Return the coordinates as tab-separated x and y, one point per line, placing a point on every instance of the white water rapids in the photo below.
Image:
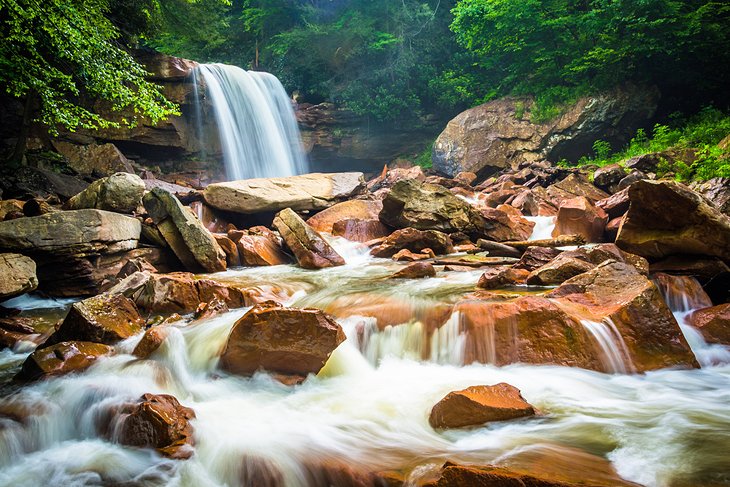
370	409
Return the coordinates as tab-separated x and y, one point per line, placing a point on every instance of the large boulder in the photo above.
193	244
423	206
505	223
158	421
360	230
17	275
499	134
288	341
62	358
63	233
717	190
121	192
573	186
325	220
310	249
477	405
107	319
666	218
414	241
306	192
713	323
578	216
258	250
101	159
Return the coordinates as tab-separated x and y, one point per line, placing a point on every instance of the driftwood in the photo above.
560	241
497	249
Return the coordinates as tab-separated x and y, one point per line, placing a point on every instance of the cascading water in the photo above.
257	128
614	353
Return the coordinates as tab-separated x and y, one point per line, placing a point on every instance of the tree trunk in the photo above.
19	152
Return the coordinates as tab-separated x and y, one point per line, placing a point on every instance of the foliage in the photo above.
425	159
62	52
701	132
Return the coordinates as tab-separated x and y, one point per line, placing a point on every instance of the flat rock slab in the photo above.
476	261
77	232
306	192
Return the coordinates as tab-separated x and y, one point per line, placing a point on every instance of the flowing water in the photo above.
369	406
257	128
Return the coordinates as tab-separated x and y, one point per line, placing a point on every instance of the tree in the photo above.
60	56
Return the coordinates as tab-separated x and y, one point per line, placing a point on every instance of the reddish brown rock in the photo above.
18	329
158	421
406	255
415	241
506	223
261	250
608	177
287	341
416	271
535	257
360	230
574	185
151	341
578	216
107	318
615	205
477	405
714	323
62	358
502	276
233	258
612	228
308	246
325	220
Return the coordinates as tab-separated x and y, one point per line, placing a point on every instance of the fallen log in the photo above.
560	241
497	249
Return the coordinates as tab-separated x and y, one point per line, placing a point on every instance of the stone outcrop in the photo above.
499	134
63	233
288	341
713	323
666	218
477	405
158	421
306	192
414	241
62	358
107	319
17	275
193	244
121	192
308	246
93	159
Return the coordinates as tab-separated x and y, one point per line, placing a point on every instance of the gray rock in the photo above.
121	192
17	275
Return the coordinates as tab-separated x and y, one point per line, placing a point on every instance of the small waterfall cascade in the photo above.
257	128
684	295
615	355
544	226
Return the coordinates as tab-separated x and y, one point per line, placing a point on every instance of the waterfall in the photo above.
258	132
544	226
615	355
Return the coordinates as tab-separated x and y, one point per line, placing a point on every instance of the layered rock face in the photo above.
498	134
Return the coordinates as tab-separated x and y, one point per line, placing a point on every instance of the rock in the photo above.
192	243
29	182
713	323
306	192
121	192
100	159
704	269
535	257
158	421
287	341
310	249
477	405
325	220
415	271
389	177
151	341
17	275
10	207
16	329
65	233
633	177
505	223
667	218
415	241
571	187
578	216
423	206
233	257
643	163
491	137
615	205
618	291
107	319
38	206
608	177
177	292
360	230
62	358
258	250
502	276
612	227
406	255
717	190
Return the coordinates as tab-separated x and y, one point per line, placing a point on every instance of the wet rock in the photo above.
193	244
158	421
259	250
667	218
608	177
713	323
100	159
121	192
535	257
492	136
287	341
534	202
502	276
477	405
422	206
415	241
310	249
151	341
578	216
558	271
306	192
16	329
325	220
360	230
406	255
415	271
505	223
107	319
233	258
17	275
705	269
70	232
62	358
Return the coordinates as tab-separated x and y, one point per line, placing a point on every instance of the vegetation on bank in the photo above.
698	136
